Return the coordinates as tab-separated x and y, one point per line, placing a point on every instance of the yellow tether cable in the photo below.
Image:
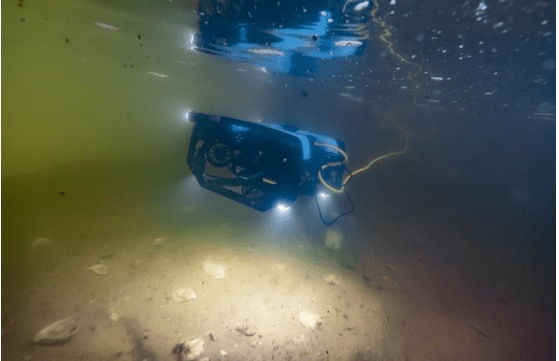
384	37
340	190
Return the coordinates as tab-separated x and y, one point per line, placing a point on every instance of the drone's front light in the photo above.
327	202
283	209
187	115
322	195
325	198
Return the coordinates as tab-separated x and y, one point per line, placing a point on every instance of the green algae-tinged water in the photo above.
82	115
75	91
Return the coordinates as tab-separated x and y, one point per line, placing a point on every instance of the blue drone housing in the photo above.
261	165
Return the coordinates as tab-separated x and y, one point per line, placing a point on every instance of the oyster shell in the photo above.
57	332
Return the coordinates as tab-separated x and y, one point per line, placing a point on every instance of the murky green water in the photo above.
97	113
92	140
94	159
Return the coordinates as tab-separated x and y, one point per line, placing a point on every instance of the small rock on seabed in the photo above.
310	320
182	295
159	241
214	270
245	329
192	349
101	269
333	279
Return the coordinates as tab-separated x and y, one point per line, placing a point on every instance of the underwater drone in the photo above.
266	165
262	165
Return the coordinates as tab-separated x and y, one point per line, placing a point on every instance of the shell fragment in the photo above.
57	332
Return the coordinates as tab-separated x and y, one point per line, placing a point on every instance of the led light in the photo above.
283	208
323	195
186	115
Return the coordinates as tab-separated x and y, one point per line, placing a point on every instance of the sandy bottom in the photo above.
382	309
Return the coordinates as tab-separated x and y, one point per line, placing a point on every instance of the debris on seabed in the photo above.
193	349
309	320
159	75
245	329
159	241
333	279
58	332
100	269
214	270
182	295
106	26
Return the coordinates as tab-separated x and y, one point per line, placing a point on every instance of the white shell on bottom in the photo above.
58	332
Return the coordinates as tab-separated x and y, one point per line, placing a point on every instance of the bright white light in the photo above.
187	38
323	195
186	115
192	42
283	208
